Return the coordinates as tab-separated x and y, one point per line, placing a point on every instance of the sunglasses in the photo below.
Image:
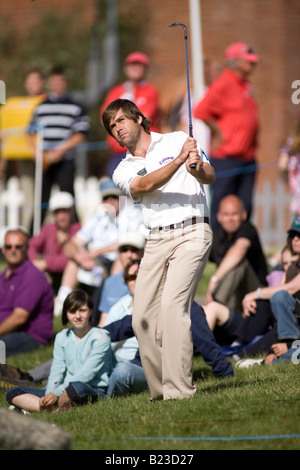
125	248
16	247
131	277
105	198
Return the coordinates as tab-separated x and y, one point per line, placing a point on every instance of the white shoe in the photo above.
58	306
246	363
18	410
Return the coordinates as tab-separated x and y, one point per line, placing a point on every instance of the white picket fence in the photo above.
17	210
271	207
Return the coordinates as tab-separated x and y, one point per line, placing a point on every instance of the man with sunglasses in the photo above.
230	111
26	306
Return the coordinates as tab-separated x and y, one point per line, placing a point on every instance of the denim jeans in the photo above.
78	392
283	307
125	379
19	342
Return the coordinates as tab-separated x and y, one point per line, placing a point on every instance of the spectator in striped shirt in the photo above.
65	125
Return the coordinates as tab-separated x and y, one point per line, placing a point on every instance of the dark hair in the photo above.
289	241
128	266
57	69
74	301
130	110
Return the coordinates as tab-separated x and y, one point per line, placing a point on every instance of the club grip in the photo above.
193	165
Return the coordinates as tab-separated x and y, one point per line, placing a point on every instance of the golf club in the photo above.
181	25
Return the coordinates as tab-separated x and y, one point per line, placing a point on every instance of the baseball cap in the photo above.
295	227
108	188
241	50
61	200
135	239
139	57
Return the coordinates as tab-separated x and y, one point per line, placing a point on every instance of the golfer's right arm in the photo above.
147	184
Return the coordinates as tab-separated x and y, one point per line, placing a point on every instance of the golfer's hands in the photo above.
48	400
190	156
189	147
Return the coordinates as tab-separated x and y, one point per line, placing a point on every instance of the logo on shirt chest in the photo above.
166	160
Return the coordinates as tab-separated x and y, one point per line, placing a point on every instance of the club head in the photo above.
180	25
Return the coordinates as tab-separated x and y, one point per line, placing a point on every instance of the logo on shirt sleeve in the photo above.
142	172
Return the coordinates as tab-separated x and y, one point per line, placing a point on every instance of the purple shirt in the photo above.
29	289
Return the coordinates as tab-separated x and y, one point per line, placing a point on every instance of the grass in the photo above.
257	404
241	413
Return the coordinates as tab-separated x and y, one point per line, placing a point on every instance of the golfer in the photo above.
156	172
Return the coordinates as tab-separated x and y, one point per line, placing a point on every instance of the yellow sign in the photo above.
15	116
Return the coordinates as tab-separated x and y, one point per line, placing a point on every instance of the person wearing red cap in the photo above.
230	111
137	89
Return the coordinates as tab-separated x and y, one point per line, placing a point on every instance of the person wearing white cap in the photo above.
137	89
93	251
46	249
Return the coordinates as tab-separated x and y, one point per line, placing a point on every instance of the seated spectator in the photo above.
285	298
128	376
237	252
82	362
231	326
281	303
26	308
93	251
46	249
125	350
131	248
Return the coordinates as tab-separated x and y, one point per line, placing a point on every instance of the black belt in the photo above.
183	224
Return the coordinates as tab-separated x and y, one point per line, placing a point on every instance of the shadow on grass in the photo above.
226	384
202	374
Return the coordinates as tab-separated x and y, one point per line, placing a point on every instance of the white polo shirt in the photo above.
181	198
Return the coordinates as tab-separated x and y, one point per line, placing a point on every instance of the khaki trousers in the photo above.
231	290
168	278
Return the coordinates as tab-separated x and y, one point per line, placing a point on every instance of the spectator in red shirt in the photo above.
137	89
46	249
230	111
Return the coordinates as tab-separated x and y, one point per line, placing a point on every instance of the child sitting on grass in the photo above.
82	362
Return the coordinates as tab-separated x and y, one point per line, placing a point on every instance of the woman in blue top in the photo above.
82	362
